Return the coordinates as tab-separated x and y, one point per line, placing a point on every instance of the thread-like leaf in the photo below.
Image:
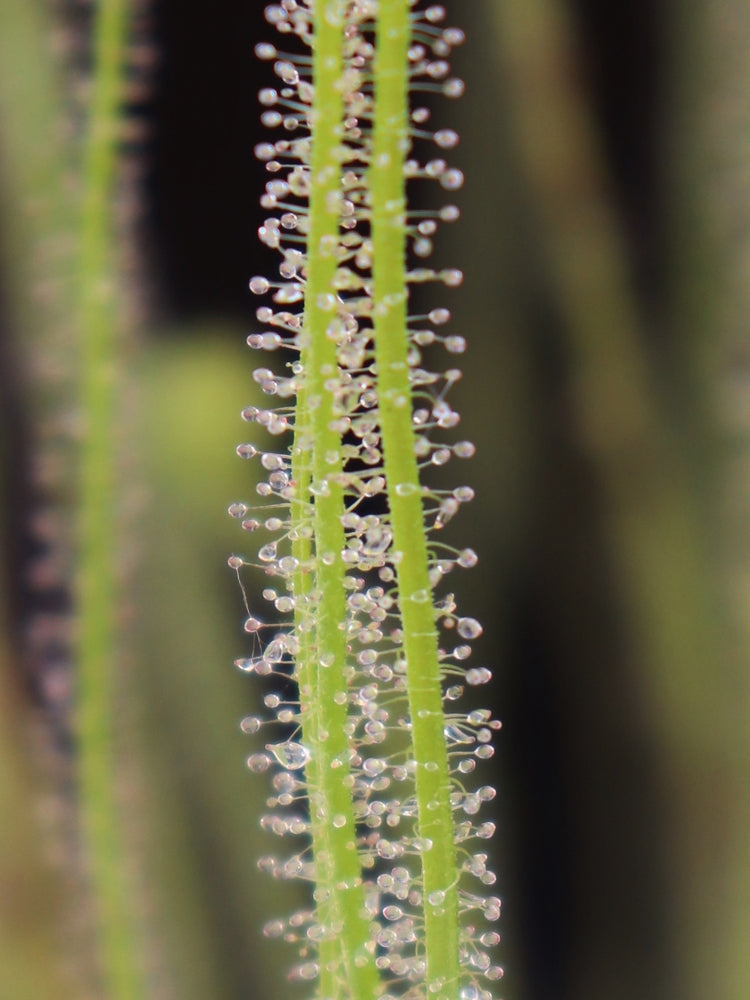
374	765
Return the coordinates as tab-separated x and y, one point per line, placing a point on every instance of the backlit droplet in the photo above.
292	756
251	724
405	489
259	762
468	628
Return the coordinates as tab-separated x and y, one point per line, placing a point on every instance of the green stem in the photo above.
322	660
420	638
97	647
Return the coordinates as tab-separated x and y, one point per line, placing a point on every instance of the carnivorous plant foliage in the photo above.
372	759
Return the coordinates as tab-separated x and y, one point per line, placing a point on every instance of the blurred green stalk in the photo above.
37	217
97	646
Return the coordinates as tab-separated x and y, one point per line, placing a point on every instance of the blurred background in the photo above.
605	239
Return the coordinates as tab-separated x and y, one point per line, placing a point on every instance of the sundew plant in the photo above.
372	759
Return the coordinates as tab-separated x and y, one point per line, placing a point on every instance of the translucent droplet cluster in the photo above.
379	766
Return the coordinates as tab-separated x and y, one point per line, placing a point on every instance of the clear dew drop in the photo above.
477	676
464	449
452	277
446	138
452	179
469	628
247	664
405	489
292	756
455	344
478	716
453	88
274	928
467	558
469	993
306	972
259	762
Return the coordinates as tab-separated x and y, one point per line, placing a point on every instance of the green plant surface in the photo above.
337	866
97	645
420	635
37	251
369	749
